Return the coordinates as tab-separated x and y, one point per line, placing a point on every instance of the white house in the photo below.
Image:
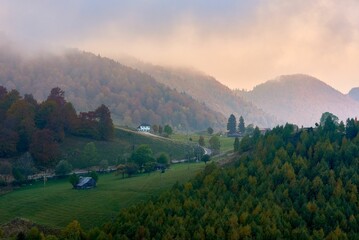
144	128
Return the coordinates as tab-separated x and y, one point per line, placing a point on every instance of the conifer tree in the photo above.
241	125
236	144
232	124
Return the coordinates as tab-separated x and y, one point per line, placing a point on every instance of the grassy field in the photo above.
226	142
125	141
121	145
56	203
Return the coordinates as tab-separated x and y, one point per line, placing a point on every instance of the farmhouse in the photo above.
144	128
86	183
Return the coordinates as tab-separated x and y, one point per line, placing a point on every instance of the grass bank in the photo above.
56	203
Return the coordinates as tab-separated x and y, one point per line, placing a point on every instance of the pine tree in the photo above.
236	144
232	124
105	125
241	126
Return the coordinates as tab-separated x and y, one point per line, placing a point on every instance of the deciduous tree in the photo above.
163	158
142	155
63	168
168	129
215	143
205	158
201	141
44	149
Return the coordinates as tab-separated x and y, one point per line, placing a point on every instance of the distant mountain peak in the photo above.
301	99
296	79
354	93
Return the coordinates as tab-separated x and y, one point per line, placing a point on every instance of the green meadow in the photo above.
56	204
121	146
226	142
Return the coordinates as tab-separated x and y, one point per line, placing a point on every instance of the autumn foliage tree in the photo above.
26	125
44	148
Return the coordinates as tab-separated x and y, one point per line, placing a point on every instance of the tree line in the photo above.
39	127
142	160
232	125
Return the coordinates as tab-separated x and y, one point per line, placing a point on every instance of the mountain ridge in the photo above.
89	80
300	99
206	89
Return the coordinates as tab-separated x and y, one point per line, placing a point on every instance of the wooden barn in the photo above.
86	183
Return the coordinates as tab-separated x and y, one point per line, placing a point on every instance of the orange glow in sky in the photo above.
242	44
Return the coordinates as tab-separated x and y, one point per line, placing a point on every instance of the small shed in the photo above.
86	183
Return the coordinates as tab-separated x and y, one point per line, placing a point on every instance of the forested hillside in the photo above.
88	80
206	89
288	184
301	99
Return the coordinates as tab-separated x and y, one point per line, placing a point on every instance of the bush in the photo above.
94	175
63	168
103	165
206	158
73	231
34	234
17	175
163	158
149	167
3	183
131	169
74	179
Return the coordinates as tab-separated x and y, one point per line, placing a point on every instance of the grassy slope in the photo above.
226	142
123	144
57	204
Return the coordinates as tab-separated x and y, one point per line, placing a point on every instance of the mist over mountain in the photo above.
301	99
354	93
206	89
89	81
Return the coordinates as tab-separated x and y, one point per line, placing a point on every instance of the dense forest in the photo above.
287	184
89	80
38	128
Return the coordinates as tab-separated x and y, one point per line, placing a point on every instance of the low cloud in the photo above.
241	44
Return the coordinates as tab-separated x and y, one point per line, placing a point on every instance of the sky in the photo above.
241	43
